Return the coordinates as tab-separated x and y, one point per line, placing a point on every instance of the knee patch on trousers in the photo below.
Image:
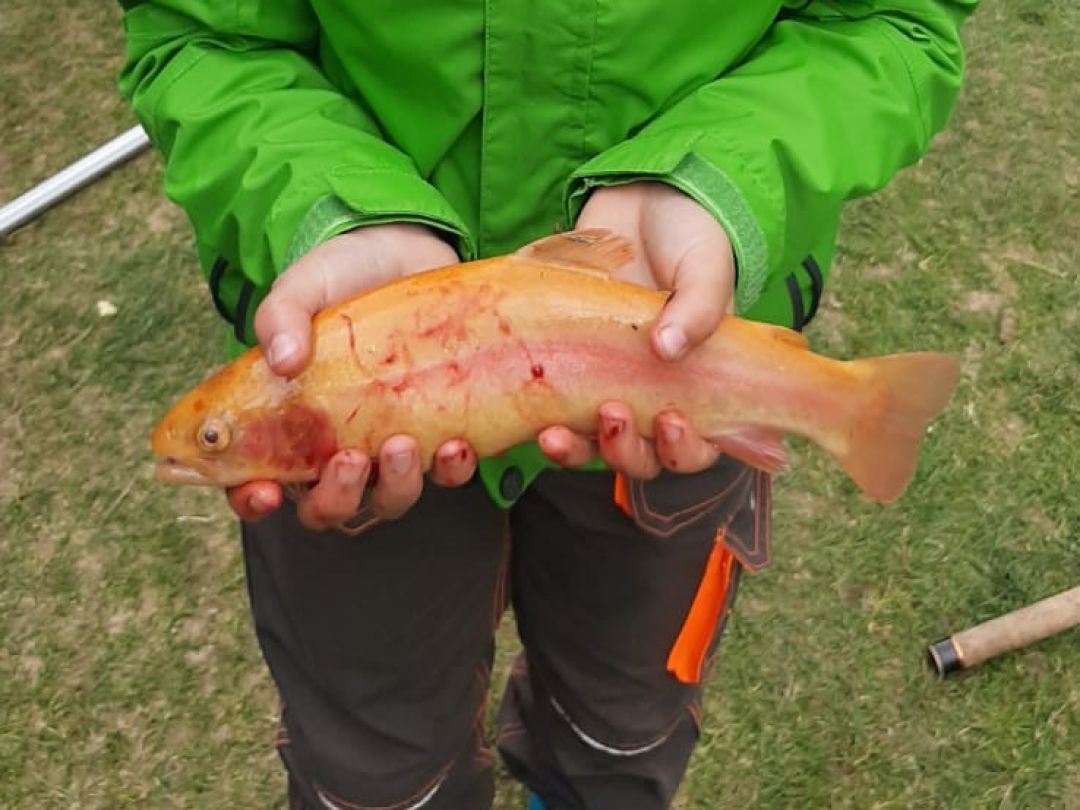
630	744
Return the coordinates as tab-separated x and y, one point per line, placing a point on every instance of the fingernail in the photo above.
400	462
670	432
283	348
349	473
672	340
261	502
452	454
612	427
551	446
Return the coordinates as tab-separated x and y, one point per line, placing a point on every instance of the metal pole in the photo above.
84	171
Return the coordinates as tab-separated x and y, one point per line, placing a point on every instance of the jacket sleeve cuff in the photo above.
375	197
632	161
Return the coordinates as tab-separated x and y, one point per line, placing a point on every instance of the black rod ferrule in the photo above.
945	658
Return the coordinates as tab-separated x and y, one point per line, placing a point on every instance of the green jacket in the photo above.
285	122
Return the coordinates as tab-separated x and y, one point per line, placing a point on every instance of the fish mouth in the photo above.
173	471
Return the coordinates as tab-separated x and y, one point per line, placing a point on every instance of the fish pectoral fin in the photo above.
759	447
596	251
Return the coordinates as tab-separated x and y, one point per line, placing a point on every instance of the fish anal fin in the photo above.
594	250
759	447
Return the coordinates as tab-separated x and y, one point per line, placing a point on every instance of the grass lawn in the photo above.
128	671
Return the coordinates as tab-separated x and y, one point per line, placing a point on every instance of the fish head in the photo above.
198	451
242	424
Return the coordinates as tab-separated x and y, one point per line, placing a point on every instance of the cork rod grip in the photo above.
1020	628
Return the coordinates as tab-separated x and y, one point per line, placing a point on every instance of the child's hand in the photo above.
679	246
330	273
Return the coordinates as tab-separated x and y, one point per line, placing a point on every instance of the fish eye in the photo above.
213	435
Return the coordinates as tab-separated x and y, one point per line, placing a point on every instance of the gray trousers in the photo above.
381	645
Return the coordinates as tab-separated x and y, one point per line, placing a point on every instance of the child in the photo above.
324	146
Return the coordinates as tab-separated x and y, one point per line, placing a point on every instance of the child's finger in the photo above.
621	445
254	500
565	447
679	447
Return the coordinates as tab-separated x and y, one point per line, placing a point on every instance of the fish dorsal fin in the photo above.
596	250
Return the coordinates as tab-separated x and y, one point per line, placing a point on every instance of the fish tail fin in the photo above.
883	450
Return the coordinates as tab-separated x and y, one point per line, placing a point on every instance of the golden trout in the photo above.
494	351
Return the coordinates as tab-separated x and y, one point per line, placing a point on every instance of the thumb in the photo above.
341	267
283	320
701	295
316	280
